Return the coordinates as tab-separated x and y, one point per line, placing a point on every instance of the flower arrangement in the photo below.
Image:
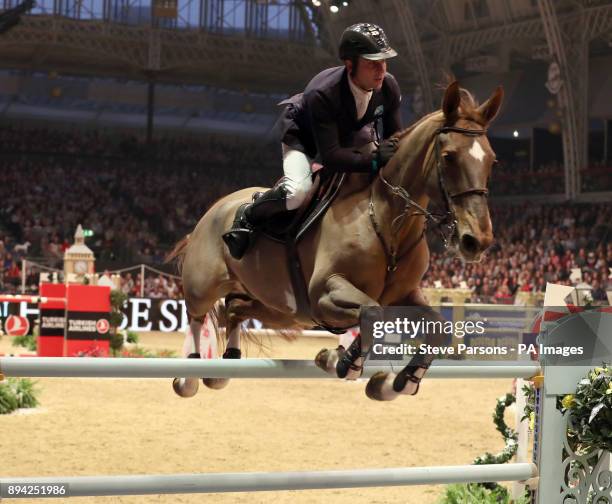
492	493
510	436
591	409
529	411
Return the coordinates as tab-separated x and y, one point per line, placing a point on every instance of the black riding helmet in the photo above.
366	40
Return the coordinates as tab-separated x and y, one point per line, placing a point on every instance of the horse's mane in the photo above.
468	109
401	134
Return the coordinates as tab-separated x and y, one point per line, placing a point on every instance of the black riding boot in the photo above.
250	217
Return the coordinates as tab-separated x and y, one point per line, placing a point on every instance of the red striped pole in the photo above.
30	299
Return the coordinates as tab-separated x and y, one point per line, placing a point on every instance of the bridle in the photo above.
445	223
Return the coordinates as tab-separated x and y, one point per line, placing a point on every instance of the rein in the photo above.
446	223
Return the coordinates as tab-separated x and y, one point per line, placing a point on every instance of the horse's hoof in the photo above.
221	383
327	359
216	383
185	387
380	387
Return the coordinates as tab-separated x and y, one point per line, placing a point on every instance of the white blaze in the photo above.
476	151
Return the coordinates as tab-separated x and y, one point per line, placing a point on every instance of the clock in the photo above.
80	267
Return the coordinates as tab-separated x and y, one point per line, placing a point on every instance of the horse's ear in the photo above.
489	109
451	100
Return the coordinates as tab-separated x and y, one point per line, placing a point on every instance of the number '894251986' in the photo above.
16	490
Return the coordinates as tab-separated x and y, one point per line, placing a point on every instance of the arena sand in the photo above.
112	426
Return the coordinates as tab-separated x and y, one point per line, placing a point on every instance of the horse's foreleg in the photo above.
340	306
386	386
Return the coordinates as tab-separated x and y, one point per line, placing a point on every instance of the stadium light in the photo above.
334	5
515	134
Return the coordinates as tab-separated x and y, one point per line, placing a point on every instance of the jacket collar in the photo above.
348	101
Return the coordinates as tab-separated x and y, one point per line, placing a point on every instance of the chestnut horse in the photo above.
368	250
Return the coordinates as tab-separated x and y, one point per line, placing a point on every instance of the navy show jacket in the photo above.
322	121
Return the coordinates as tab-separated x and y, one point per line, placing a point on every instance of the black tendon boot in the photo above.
250	217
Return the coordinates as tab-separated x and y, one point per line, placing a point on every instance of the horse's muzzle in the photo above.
472	246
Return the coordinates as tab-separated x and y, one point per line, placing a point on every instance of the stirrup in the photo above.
239	237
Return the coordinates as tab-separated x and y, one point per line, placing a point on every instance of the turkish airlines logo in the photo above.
16	325
102	326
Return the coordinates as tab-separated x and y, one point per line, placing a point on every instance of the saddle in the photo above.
288	228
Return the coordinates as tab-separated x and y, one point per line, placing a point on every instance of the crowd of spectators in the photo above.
535	244
205	149
138	199
158	286
512	178
136	205
518	178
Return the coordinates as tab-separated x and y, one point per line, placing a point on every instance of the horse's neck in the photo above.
409	170
416	156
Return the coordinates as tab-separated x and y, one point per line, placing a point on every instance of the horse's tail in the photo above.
218	317
178	253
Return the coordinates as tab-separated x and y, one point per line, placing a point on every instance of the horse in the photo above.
369	249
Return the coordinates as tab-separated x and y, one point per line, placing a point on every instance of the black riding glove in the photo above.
385	151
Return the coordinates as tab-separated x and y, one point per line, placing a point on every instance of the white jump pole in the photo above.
81	486
228	368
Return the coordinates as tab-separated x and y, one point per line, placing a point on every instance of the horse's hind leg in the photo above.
188	387
238	308
197	308
234	315
191	343
205	281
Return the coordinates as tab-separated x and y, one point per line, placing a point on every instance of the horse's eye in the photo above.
449	156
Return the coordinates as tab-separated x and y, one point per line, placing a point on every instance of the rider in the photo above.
336	121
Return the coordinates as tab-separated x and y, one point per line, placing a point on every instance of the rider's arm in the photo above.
324	126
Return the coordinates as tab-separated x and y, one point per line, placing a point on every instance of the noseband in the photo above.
445	223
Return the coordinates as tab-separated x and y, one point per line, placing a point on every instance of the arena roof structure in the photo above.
273	47
277	45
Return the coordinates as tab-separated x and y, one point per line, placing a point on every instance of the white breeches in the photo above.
298	176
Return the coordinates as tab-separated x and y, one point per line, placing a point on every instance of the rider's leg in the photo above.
288	195
298	176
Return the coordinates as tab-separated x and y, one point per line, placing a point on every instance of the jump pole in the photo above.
87	367
83	486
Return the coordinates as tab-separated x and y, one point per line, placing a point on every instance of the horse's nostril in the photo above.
469	244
